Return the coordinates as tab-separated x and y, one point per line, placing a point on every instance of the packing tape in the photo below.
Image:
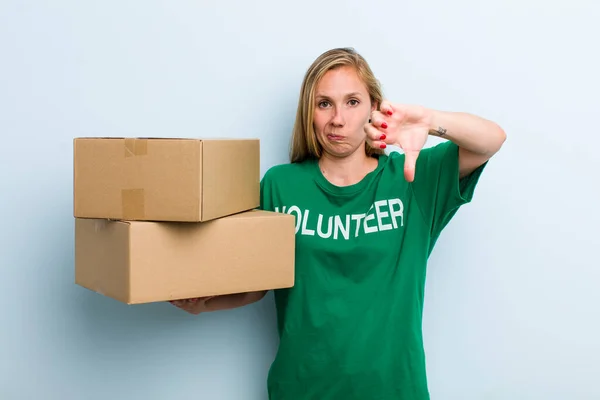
133	206
136	147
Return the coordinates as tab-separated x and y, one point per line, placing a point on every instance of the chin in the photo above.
340	150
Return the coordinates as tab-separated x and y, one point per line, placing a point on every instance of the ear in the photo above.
374	106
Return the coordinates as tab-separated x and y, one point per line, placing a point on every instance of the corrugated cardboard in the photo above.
188	180
142	262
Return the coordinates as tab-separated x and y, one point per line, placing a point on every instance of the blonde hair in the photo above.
304	139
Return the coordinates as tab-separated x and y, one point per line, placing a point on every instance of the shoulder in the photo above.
438	150
286	172
280	180
434	154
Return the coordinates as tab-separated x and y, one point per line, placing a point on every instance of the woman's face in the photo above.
342	108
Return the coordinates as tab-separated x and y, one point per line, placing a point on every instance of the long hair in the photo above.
304	139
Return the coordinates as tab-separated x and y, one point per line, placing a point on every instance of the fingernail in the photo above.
383	146
389	113
382	137
384	125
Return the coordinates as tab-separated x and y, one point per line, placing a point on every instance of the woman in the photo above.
367	222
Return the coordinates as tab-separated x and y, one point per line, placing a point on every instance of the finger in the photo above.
375	138
386	108
379	120
410	163
374	134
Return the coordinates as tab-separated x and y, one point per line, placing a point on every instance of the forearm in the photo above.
468	131
230	301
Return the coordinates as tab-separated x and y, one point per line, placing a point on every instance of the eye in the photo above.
353	102
323	104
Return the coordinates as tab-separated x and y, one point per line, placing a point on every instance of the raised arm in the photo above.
477	138
408	126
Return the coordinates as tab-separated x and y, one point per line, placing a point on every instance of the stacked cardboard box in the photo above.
164	219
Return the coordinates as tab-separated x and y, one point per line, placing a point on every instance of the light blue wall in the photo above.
512	301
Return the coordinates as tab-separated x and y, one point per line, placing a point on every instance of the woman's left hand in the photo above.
404	126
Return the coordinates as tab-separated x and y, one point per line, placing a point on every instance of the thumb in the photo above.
410	163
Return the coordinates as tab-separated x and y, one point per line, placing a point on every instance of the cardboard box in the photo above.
188	180
142	262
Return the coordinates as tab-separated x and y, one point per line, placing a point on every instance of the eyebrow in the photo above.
353	94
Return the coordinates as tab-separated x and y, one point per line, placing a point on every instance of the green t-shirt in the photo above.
351	327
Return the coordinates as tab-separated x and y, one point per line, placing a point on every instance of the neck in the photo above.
346	171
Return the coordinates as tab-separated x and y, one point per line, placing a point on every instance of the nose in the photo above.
338	117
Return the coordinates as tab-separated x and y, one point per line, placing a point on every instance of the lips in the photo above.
334	137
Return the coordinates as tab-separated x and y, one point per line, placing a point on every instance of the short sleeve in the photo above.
437	186
266	195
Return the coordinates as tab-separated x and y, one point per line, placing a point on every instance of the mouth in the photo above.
334	137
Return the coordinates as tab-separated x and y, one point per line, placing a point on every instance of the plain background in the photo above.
512	307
